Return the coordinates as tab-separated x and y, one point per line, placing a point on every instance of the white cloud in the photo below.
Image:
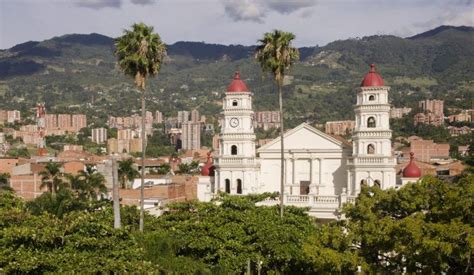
257	10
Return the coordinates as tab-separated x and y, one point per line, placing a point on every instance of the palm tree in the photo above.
275	56
52	177
126	172
94	182
140	54
77	184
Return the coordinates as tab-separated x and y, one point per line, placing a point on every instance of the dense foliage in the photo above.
424	227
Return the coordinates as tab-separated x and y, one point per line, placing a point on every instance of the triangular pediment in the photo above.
305	137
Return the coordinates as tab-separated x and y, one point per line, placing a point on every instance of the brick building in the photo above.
339	128
399	112
428	150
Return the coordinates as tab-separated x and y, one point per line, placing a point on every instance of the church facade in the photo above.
322	172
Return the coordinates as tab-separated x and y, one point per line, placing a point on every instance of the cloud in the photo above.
98	4
289	6
143	2
257	10
449	17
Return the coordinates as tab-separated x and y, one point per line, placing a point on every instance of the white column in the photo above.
293	170
321	172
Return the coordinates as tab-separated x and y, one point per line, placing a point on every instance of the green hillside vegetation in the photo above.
77	73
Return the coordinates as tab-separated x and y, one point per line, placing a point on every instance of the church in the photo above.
322	172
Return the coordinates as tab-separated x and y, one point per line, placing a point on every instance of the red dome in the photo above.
411	170
372	79
237	85
208	168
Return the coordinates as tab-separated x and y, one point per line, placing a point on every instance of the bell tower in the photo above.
372	162
237	167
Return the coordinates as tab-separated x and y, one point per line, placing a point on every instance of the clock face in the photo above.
234	122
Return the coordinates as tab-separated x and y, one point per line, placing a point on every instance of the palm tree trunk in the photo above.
115	194
282	154
142	202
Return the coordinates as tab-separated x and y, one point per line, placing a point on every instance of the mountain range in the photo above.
77	73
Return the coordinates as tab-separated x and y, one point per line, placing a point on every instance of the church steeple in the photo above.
236	166
372	161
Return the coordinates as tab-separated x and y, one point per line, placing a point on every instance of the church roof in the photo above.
305	137
372	79
411	170
237	85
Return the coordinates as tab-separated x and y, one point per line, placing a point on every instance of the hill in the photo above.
77	73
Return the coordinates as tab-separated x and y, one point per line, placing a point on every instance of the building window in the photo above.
370	149
363	183
227	186
371	98
371	122
377	183
239	186
304	187
234	103
233	150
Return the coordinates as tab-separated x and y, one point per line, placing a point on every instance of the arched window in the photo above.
370	149
377	183
371	122
227	186
239	186
233	150
371	98
235	103
363	183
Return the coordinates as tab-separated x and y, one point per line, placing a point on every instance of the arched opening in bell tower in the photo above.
233	150
370	149
371	122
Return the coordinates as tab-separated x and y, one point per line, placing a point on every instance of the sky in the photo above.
314	22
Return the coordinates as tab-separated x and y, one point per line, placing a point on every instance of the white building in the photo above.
99	135
322	172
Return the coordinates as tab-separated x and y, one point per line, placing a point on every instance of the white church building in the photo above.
322	172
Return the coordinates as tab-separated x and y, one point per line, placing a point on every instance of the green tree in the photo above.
52	177
425	227
140	54
94	182
126	172
276	55
226	236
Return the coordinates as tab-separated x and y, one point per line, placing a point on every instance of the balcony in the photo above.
323	207
225	161
372	160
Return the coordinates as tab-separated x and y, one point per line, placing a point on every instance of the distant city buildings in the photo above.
340	128
9	116
65	122
456	131
99	135
120	146
463	116
191	135
267	119
159	117
428	150
432	112
399	112
132	122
